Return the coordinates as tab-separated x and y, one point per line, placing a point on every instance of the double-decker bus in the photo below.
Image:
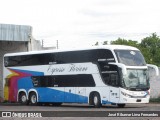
111	74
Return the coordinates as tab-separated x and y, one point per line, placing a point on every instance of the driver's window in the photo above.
114	79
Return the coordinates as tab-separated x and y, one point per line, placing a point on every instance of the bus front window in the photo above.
136	79
130	57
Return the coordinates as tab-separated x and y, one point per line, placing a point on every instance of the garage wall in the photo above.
9	47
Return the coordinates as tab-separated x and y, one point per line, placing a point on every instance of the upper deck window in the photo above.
59	58
130	57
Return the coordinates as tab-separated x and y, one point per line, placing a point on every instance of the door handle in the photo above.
110	90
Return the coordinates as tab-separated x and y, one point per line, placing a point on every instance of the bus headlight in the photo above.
125	94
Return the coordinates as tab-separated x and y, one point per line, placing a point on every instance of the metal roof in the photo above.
9	32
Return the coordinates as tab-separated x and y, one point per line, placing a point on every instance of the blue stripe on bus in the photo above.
106	102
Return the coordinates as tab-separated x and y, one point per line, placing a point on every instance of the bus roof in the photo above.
110	47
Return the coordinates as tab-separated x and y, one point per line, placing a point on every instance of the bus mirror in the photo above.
122	66
155	68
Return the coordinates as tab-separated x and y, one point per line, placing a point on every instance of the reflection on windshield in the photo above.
130	57
136	79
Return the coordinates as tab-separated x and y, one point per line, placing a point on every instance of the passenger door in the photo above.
114	89
114	94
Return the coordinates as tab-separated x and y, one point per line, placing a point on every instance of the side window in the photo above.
106	54
27	60
114	79
106	78
45	59
13	60
43	81
63	81
111	79
111	75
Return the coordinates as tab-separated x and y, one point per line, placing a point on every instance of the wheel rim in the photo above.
23	99
95	100
33	99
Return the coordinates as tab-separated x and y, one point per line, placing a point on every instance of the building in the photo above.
15	38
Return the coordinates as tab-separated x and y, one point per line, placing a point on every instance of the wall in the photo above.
154	85
9	47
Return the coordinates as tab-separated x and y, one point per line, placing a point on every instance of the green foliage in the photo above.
150	47
105	42
120	41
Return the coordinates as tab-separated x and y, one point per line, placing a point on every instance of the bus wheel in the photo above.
33	98
23	98
96	100
121	105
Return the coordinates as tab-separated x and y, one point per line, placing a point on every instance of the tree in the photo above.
96	44
105	43
150	47
120	41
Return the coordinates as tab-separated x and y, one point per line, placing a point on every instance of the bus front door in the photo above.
114	89
114	94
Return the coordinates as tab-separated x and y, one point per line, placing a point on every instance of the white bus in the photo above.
111	74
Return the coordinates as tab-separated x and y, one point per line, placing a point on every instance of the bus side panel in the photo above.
82	97
18	79
50	95
25	83
58	94
13	89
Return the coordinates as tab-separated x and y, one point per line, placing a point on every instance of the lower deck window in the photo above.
64	81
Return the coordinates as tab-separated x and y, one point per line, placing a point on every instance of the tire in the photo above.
96	100
33	98
121	105
23	98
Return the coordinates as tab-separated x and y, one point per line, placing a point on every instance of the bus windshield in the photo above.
130	57
136	79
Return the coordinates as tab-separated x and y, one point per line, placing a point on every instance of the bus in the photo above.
99	75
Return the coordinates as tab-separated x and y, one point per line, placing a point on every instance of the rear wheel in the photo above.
33	98
96	100
23	98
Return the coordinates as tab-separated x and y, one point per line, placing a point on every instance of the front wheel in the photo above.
96	100
33	98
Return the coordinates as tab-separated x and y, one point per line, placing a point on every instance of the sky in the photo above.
79	23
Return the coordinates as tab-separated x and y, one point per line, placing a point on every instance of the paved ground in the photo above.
82	110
